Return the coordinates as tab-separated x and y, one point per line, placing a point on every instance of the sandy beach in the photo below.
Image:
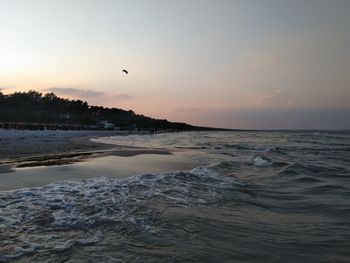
190	196
24	143
37	158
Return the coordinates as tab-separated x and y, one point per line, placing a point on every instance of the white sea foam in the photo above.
150	215
261	162
74	206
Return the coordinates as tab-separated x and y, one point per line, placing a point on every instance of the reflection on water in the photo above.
110	166
258	197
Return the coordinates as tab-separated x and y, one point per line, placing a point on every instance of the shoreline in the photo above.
35	159
21	148
16	144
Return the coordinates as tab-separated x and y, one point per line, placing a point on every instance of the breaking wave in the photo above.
255	197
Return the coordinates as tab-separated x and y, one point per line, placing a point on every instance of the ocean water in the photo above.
254	197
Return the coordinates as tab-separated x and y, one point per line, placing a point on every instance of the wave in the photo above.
266	196
56	217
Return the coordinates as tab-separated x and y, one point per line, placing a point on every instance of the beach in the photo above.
25	143
37	158
177	197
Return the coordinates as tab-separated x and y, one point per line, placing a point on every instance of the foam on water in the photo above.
255	197
76	205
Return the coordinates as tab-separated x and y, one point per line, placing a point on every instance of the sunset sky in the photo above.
262	64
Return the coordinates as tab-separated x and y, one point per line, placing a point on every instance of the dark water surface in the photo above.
254	197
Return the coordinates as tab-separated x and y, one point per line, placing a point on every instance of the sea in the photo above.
266	196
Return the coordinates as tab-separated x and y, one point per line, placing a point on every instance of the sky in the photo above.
249	64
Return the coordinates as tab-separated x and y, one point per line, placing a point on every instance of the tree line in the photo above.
35	107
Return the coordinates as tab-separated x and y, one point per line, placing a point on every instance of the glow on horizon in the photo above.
234	64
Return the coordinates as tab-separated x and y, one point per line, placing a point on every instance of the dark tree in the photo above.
34	107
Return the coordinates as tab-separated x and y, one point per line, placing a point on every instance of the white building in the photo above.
105	125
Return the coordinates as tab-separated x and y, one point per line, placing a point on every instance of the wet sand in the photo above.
21	143
37	159
108	166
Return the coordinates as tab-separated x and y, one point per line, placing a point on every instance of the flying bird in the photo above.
125	71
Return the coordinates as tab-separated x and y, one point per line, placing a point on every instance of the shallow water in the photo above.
254	197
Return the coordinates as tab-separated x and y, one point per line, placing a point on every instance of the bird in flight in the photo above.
125	71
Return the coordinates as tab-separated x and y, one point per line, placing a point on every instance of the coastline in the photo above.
38	158
16	144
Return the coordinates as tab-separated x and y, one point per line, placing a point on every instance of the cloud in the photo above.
278	118
6	88
76	93
262	98
265	98
89	94
106	99
265	61
111	99
122	96
298	118
186	110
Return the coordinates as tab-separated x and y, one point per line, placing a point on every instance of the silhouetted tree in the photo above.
33	106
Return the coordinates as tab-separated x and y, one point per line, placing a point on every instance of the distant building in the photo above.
105	125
